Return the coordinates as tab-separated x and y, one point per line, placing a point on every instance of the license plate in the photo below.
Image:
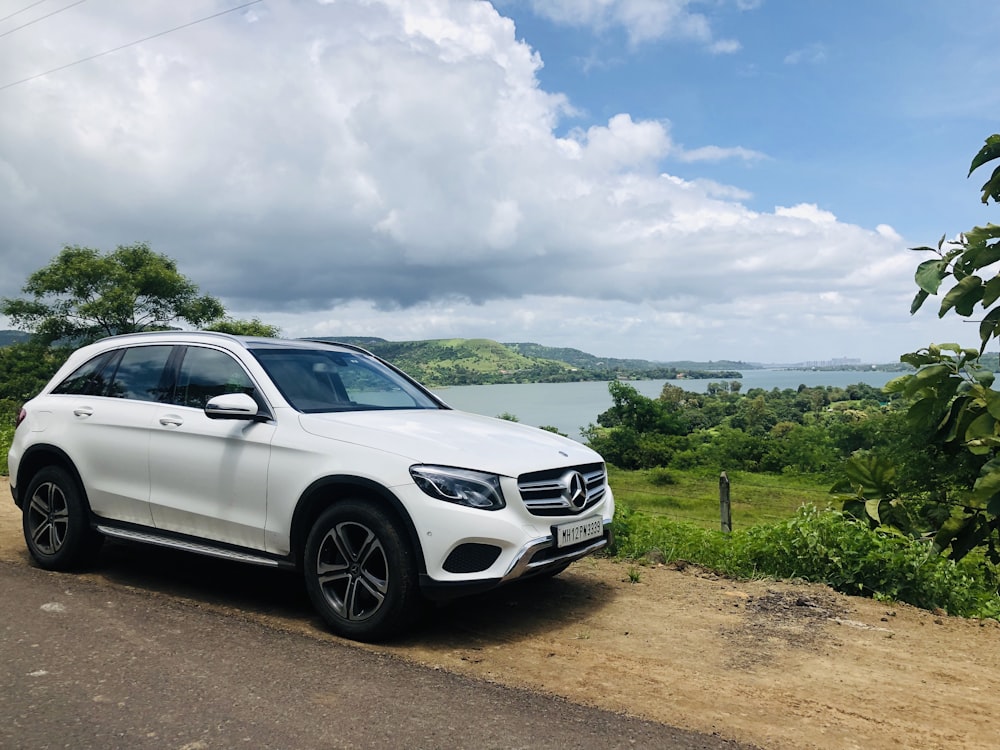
579	531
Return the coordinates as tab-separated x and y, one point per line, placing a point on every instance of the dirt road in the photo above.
778	665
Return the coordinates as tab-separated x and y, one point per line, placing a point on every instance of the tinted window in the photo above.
90	379
140	375
206	373
318	380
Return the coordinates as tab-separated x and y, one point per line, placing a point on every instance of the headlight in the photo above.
472	488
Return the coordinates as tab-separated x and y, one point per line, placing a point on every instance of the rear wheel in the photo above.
360	572
56	521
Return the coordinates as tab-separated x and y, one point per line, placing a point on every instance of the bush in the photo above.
6	436
823	547
661	478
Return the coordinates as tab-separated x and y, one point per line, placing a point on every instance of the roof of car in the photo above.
248	342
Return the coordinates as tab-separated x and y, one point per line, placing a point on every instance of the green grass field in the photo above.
693	497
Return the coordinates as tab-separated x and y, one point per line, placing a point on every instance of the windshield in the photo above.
317	380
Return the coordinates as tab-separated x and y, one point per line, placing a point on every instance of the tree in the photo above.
952	394
84	294
253	327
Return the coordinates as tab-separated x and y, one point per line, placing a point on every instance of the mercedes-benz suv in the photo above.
301	454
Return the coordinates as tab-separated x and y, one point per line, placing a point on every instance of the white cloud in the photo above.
811	54
394	169
725	47
642	20
718	153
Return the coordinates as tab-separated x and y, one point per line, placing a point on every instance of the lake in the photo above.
572	406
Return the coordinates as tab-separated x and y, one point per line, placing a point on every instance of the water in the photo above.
572	406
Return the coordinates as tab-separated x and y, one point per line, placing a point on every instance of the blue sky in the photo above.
667	179
871	110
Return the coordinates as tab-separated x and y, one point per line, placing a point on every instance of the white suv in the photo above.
301	454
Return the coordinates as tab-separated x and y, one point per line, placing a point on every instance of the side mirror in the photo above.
232	406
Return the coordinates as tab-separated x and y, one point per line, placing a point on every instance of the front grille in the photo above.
547	493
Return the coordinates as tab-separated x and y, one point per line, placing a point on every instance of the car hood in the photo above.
452	438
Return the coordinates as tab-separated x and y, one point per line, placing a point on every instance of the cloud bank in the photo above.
393	168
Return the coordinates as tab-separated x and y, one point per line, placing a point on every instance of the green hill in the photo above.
442	362
462	361
584	360
12	337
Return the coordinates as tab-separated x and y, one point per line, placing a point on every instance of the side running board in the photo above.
189	546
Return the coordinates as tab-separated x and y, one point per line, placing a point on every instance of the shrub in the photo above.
823	547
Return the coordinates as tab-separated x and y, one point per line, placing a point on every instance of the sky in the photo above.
657	179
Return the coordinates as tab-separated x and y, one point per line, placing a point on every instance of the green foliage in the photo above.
551	428
508	417
807	430
83	295
6	438
951	396
253	327
989	152
825	547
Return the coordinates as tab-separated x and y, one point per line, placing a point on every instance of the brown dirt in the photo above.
776	664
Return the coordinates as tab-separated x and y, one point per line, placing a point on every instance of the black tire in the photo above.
56	522
360	572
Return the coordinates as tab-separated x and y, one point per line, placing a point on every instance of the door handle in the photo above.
169	420
83	411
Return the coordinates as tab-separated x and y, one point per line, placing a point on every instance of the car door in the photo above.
208	477
110	404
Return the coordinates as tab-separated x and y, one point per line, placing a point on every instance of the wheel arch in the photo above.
36	458
325	492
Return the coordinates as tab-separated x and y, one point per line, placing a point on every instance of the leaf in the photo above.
991	293
987	486
992	399
989	327
871	508
871	473
991	188
982	426
930	274
926	413
918	301
989	152
978	239
963	297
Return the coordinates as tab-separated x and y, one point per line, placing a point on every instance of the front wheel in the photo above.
56	521
360	572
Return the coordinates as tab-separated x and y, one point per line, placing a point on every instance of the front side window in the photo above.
317	380
206	373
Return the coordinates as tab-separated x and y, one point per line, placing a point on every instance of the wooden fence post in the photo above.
724	508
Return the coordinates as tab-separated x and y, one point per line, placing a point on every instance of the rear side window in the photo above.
141	374
90	379
206	373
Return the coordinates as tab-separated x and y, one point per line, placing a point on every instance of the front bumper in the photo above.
535	558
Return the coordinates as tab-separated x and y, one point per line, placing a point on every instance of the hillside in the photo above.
480	361
587	361
465	361
12	337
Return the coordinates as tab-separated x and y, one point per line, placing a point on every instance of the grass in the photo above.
784	527
823	546
693	497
